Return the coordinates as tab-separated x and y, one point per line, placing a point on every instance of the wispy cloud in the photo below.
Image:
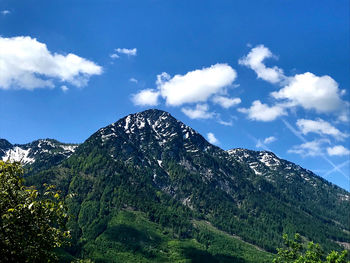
225	123
64	88
114	56
199	112
126	51
270	139
258	143
299	135
226	102
311	148
5	12
133	80
123	51
263	143
212	139
320	127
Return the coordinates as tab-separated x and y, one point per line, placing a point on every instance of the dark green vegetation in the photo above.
31	227
295	252
149	188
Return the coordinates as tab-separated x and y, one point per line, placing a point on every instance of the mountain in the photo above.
311	193
38	154
149	188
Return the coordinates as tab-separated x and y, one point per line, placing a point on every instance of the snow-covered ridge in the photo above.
265	163
268	159
17	154
31	152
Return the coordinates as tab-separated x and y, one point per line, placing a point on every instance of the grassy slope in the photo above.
131	237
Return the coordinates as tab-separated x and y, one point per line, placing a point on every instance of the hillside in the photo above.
148	187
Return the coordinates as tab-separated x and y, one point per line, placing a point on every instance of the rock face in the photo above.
156	164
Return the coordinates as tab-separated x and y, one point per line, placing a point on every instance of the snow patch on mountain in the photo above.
69	148
18	154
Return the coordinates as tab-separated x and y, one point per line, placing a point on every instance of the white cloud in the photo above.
212	139
266	141
225	123
133	80
321	127
126	51
312	92
200	112
254	60
262	112
64	88
312	148
338	150
195	86
5	12
114	56
146	97
270	139
26	63
226	102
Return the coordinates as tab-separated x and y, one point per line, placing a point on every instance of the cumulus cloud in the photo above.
212	139
25	63
321	127
199	112
312	148
5	12
195	86
146	97
312	92
254	60
226	102
262	112
338	150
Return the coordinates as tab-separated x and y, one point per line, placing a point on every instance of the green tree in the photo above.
294	252
31	224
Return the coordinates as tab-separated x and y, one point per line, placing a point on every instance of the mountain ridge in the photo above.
159	166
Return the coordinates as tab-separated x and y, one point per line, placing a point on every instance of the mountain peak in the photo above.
161	124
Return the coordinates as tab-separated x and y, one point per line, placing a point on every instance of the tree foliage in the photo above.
295	252
31	224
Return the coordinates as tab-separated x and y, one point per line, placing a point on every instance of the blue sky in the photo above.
260	75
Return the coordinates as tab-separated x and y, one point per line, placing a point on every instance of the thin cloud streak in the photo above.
297	134
338	167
